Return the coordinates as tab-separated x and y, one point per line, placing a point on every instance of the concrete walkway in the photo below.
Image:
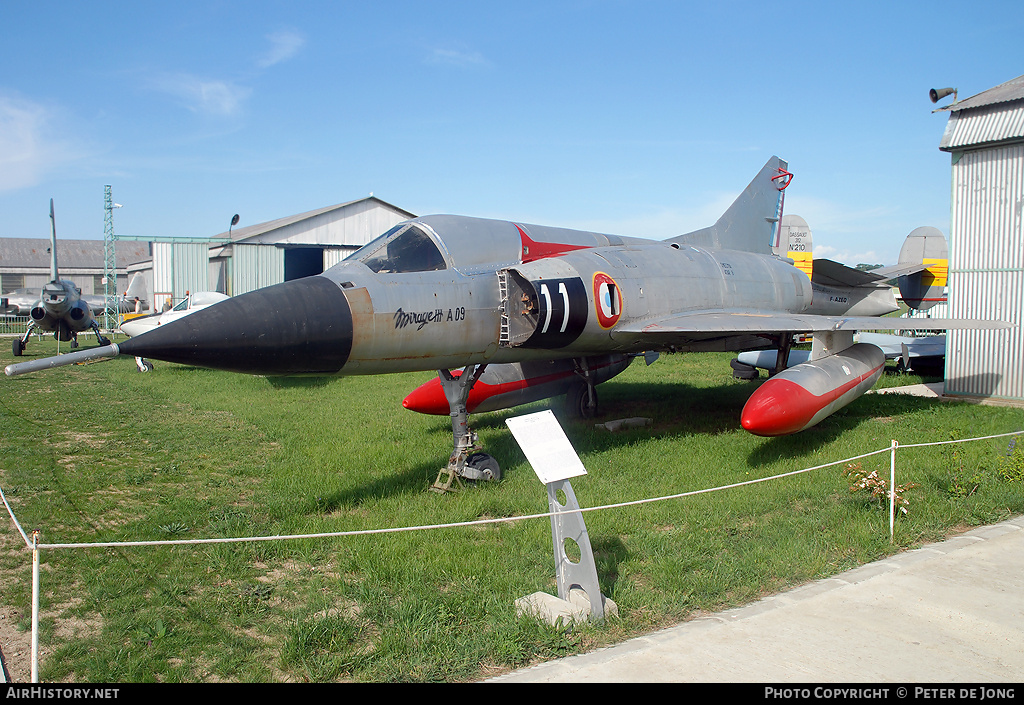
931	389
950	612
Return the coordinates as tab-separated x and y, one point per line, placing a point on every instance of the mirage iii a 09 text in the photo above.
508	313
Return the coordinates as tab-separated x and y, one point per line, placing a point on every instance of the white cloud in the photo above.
283	45
852	233
850	257
204	96
456	57
29	147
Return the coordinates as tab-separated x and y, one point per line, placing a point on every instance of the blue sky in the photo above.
634	118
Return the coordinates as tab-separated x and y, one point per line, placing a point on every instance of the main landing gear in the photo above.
100	338
63	332
581	399
466	460
18	344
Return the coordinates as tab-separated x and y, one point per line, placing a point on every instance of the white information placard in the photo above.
546	446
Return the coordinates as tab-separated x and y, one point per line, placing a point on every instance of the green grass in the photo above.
100	452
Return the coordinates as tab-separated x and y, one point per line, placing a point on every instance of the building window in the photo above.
10	282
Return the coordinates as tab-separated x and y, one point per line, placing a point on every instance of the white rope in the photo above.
28	542
479	522
961	440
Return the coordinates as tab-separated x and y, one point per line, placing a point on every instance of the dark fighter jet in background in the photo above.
60	309
509	313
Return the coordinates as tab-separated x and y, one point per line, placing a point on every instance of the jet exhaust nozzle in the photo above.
79	312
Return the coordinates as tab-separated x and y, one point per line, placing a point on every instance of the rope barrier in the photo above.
34	546
478	522
28	542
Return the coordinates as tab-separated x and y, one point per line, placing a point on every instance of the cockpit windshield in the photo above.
404	248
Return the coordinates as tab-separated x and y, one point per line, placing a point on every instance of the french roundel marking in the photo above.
607	300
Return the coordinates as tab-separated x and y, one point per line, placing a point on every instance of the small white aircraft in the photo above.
192	303
141	324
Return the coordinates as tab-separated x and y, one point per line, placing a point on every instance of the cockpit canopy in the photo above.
438	242
404	248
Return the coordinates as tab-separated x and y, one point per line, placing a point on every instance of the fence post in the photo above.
892	490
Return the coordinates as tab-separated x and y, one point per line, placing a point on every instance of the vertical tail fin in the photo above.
924	289
53	244
751	222
138	287
795	243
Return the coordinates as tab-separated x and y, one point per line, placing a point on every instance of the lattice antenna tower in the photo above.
109	262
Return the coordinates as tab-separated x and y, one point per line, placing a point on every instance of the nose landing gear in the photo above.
466	460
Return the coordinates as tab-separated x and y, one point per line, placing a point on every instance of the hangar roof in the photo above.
311	227
992	117
33	253
1004	92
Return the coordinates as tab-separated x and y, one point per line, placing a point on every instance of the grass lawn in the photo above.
101	453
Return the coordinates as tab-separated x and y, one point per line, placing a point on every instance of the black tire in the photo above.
17	347
486	464
578	402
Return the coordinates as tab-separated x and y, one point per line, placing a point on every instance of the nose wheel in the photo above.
485	465
466	461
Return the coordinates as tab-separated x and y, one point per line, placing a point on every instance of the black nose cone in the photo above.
298	327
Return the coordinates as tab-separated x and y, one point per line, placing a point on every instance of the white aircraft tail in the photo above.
751	222
137	287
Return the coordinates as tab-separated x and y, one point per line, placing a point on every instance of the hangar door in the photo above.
254	267
303	262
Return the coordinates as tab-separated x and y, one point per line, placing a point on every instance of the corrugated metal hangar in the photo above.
256	256
25	263
985	137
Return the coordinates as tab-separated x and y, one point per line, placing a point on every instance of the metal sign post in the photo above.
567	525
555	461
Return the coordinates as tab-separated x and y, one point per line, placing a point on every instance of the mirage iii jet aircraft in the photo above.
60	308
522	312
